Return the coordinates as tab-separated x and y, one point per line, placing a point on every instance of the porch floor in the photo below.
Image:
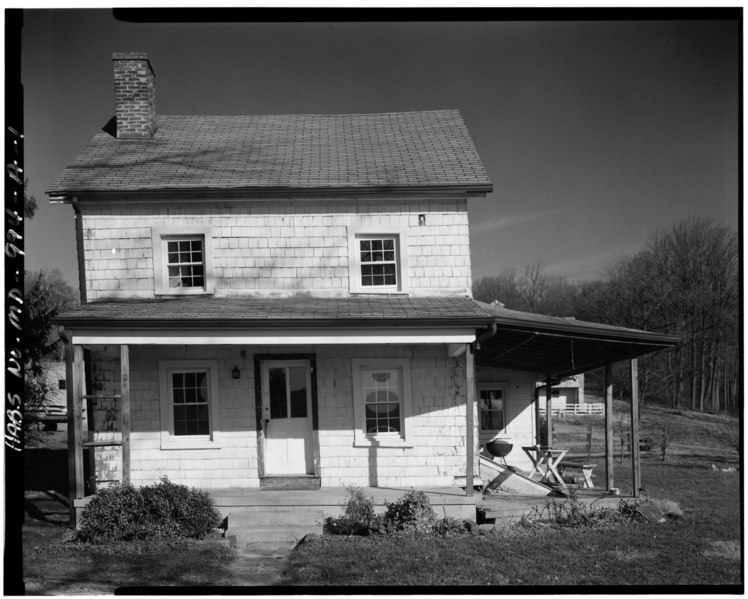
445	500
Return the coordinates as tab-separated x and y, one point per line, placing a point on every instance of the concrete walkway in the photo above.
260	564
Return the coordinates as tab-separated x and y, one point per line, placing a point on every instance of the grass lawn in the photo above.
52	567
701	548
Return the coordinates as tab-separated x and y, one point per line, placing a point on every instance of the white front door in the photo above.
287	417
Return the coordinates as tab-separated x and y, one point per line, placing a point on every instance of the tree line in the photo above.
684	281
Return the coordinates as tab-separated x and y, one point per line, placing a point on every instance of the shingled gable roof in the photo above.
429	150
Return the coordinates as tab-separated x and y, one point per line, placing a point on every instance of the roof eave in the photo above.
579	330
94	322
66	196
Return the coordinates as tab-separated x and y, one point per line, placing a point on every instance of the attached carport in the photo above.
553	347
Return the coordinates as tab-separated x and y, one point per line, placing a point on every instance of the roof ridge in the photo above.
320	114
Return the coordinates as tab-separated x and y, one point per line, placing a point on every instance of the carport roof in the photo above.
556	347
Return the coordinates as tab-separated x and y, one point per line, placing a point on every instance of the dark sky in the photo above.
595	133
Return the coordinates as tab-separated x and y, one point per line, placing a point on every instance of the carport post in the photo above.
469	418
608	388
548	403
635	464
125	407
74	368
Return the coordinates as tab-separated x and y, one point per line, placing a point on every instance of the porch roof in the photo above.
256	312
556	347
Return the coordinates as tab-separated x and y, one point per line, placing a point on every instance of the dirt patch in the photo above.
634	555
724	549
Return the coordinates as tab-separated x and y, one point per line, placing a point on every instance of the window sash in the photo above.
378	260
189	395
185	261
383	400
492	409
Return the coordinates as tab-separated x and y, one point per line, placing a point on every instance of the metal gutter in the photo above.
589	333
66	196
93	322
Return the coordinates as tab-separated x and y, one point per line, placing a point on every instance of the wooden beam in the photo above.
124	360
608	389
89	455
635	463
74	373
548	418
469	419
537	415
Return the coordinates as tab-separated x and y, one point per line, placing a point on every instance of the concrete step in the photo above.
274	517
271	536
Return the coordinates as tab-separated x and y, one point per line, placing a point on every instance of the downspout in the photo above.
475	345
79	247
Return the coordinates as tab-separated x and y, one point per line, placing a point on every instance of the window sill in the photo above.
381	441
174	443
173	293
379	292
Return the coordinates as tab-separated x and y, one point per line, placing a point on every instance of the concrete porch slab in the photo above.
446	501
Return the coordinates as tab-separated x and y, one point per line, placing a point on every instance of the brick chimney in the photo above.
134	95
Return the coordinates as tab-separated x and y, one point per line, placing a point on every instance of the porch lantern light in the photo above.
235	373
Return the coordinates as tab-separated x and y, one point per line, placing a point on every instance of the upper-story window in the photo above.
185	262
378	261
182	260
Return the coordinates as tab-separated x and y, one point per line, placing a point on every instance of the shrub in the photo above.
359	517
411	513
114	514
164	510
449	527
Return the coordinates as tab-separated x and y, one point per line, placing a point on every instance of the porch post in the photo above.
635	464
548	402
537	416
124	360
608	426
469	418
74	374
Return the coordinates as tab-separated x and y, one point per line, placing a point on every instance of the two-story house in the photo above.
285	300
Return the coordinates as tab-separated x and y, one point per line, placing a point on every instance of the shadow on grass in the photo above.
54	567
46	470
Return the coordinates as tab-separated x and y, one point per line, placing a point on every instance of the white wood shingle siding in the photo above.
278	247
437	423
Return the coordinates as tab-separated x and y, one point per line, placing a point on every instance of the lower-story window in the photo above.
382	402
383	397
189	403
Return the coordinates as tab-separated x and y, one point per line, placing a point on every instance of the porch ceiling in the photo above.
557	347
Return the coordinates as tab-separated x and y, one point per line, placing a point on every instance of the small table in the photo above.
545	461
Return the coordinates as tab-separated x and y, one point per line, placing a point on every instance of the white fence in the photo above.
580	409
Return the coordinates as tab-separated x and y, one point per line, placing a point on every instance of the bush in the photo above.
114	514
411	513
164	510
449	527
359	517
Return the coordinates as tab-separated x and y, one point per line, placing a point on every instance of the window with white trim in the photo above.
182	260
377	260
492	405
382	401
185	262
188	393
189	403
